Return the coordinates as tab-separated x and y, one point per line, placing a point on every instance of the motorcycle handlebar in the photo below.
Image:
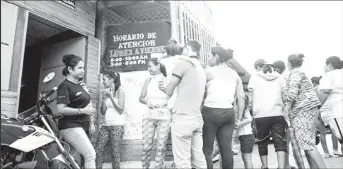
44	99
50	92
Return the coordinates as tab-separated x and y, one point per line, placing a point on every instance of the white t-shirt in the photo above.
112	116
267	94
333	107
246	129
222	88
156	97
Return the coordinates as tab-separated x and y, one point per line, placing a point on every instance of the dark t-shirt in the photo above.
74	96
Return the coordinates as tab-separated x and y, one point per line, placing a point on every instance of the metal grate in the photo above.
139	12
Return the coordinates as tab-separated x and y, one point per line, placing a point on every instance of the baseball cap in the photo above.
259	63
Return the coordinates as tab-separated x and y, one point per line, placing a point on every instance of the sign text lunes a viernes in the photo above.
133	49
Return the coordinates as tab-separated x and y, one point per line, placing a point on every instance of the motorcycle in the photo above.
32	139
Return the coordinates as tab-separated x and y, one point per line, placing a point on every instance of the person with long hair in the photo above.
112	107
72	103
158	116
223	86
302	110
246	136
331	95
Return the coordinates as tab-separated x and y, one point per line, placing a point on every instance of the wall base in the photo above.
138	164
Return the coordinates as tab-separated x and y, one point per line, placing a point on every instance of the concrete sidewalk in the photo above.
331	163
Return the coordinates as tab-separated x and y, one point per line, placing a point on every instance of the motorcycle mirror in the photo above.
49	77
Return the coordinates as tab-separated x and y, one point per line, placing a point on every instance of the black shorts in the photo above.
247	143
276	128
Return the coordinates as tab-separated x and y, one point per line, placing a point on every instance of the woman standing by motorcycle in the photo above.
72	103
112	106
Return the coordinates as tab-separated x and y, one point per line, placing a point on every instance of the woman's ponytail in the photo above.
65	71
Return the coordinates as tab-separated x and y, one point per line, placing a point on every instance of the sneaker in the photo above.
327	155
336	152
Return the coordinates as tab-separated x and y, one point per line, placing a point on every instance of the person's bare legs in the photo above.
334	144
321	127
282	159
311	162
247	160
264	161
287	165
316	158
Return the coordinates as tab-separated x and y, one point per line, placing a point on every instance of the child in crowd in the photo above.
246	136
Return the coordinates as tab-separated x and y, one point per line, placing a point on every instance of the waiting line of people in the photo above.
199	103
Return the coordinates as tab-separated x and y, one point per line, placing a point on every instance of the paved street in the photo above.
334	162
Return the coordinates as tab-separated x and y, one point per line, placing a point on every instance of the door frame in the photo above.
19	50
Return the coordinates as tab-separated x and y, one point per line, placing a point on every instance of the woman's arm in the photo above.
142	98
294	86
209	75
323	95
239	95
103	106
325	87
68	111
250	96
120	102
244	122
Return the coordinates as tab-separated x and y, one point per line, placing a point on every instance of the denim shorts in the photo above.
247	143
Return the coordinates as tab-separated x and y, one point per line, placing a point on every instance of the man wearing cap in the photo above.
266	102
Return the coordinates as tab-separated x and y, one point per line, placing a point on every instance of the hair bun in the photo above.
300	56
66	59
230	53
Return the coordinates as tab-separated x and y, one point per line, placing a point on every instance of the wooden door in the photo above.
52	62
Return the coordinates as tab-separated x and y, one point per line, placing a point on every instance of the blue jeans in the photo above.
78	138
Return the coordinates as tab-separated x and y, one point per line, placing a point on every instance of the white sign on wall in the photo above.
132	83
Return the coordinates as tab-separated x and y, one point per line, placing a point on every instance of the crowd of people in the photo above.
200	103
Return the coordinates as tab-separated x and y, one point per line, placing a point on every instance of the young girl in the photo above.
246	136
112	106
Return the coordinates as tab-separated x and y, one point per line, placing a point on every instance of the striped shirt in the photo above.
300	93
